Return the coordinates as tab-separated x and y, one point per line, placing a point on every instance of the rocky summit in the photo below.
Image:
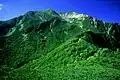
49	45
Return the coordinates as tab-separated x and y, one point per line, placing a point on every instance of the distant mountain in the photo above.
49	45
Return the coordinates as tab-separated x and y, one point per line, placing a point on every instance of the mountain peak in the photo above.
47	45
51	12
31	12
70	15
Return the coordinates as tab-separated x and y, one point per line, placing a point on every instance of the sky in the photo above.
106	10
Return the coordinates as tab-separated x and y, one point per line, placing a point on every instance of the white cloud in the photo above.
1	5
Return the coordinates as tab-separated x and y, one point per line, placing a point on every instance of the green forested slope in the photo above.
46	45
74	60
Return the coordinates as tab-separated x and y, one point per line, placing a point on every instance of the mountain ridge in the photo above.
57	40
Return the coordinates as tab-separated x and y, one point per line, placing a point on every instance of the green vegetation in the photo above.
72	60
42	45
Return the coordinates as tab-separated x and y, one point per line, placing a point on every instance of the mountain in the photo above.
49	45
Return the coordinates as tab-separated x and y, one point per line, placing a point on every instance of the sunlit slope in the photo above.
51	45
73	60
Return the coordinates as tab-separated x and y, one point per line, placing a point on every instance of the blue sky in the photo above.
106	10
